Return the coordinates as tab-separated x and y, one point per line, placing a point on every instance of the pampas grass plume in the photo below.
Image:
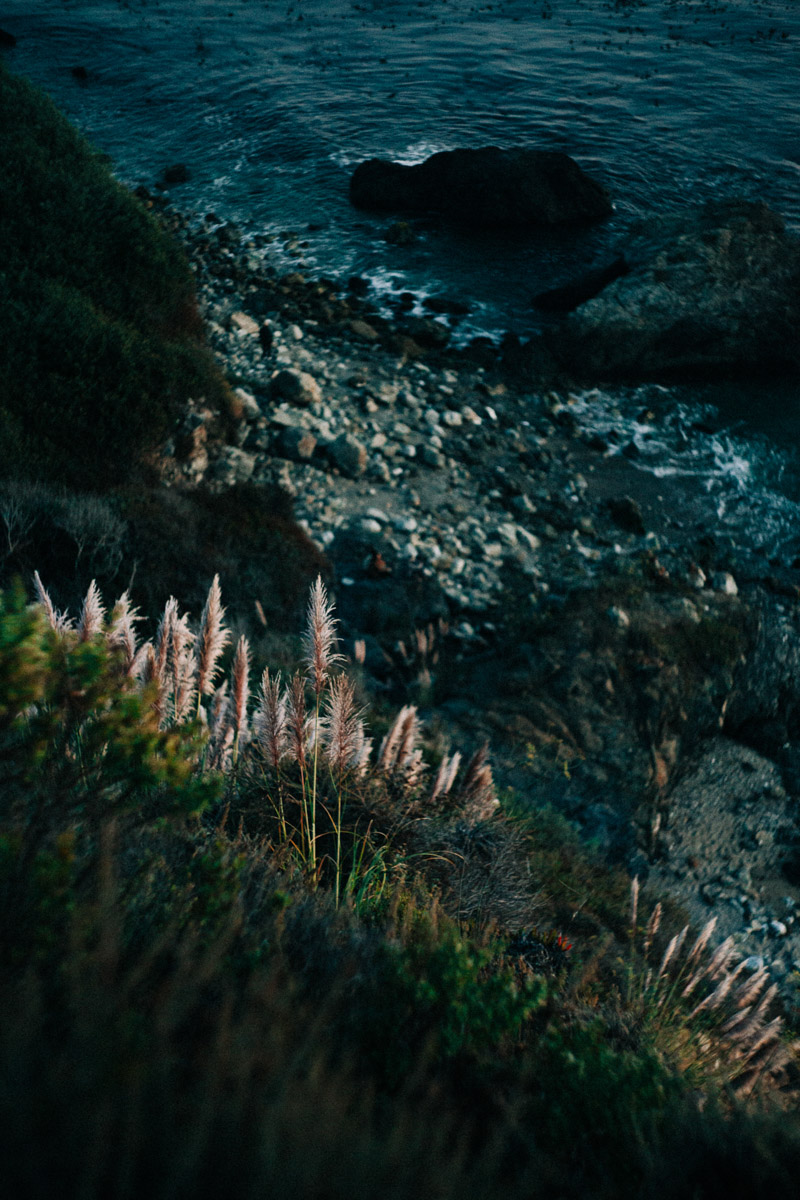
90	623
211	641
320	639
271	719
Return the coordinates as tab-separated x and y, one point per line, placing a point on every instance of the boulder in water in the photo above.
485	187
714	289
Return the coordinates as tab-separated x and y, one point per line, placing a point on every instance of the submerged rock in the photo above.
176	173
715	288
487	186
571	295
400	233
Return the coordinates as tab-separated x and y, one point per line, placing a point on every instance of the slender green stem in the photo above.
281	813
313	845
338	838
303	812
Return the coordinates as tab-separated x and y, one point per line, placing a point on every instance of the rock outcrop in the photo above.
715	289
486	187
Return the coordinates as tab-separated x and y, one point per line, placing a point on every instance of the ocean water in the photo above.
270	104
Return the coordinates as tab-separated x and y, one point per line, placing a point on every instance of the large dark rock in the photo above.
489	186
714	289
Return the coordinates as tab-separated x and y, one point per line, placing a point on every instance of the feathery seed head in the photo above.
320	638
220	712
241	683
437	789
58	621
90	623
45	601
271	720
164	637
344	733
634	901
184	667
141	661
653	926
672	951
452	771
702	941
298	723
720	958
476	795
122	634
400	740
362	752
212	639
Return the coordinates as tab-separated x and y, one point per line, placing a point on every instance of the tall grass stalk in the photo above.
321	656
211	641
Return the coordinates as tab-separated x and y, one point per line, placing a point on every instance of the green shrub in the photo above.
77	738
101	336
439	990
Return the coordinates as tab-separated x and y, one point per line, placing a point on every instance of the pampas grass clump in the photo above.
305	743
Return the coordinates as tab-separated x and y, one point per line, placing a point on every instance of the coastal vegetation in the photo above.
102	342
260	932
227	924
102	349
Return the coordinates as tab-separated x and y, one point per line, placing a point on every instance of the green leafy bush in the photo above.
440	990
101	337
77	738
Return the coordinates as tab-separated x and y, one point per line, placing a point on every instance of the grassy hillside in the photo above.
257	962
101	341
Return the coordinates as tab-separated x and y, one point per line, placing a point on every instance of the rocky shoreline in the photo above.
633	661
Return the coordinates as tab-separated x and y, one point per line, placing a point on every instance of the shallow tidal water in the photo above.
270	104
